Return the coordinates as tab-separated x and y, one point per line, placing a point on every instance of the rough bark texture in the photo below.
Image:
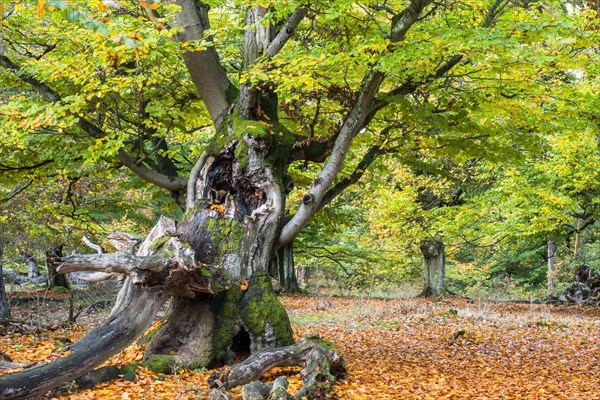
232	227
435	267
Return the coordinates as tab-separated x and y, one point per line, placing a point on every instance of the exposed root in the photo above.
321	365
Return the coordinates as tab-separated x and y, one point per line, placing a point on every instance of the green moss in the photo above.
227	315
226	235
277	137
260	306
128	369
158	242
162	364
148	337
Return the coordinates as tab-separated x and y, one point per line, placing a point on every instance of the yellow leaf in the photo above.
40	8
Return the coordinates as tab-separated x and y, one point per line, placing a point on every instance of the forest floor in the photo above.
394	349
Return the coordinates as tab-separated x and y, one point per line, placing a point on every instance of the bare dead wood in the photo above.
6	362
321	365
92	245
124	241
134	312
111	337
585	288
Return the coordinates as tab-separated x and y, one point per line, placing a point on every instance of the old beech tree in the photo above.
313	78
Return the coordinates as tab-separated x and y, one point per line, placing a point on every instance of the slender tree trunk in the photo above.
551	267
282	268
4	308
32	268
53	256
435	267
577	240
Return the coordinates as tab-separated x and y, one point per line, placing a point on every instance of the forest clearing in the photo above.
394	349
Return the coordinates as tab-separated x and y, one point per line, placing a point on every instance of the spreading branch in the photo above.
50	95
359	115
352	125
286	32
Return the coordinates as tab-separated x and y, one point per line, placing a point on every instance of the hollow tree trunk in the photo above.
53	257
435	267
551	266
232	225
4	308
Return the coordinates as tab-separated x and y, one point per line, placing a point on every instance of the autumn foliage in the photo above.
394	349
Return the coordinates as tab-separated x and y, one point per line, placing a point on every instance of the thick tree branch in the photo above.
164	181
286	32
208	75
352	125
190	201
402	22
360	114
370	156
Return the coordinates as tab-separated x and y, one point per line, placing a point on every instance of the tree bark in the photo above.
577	240
53	256
32	268
435	267
283	269
4	308
551	267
